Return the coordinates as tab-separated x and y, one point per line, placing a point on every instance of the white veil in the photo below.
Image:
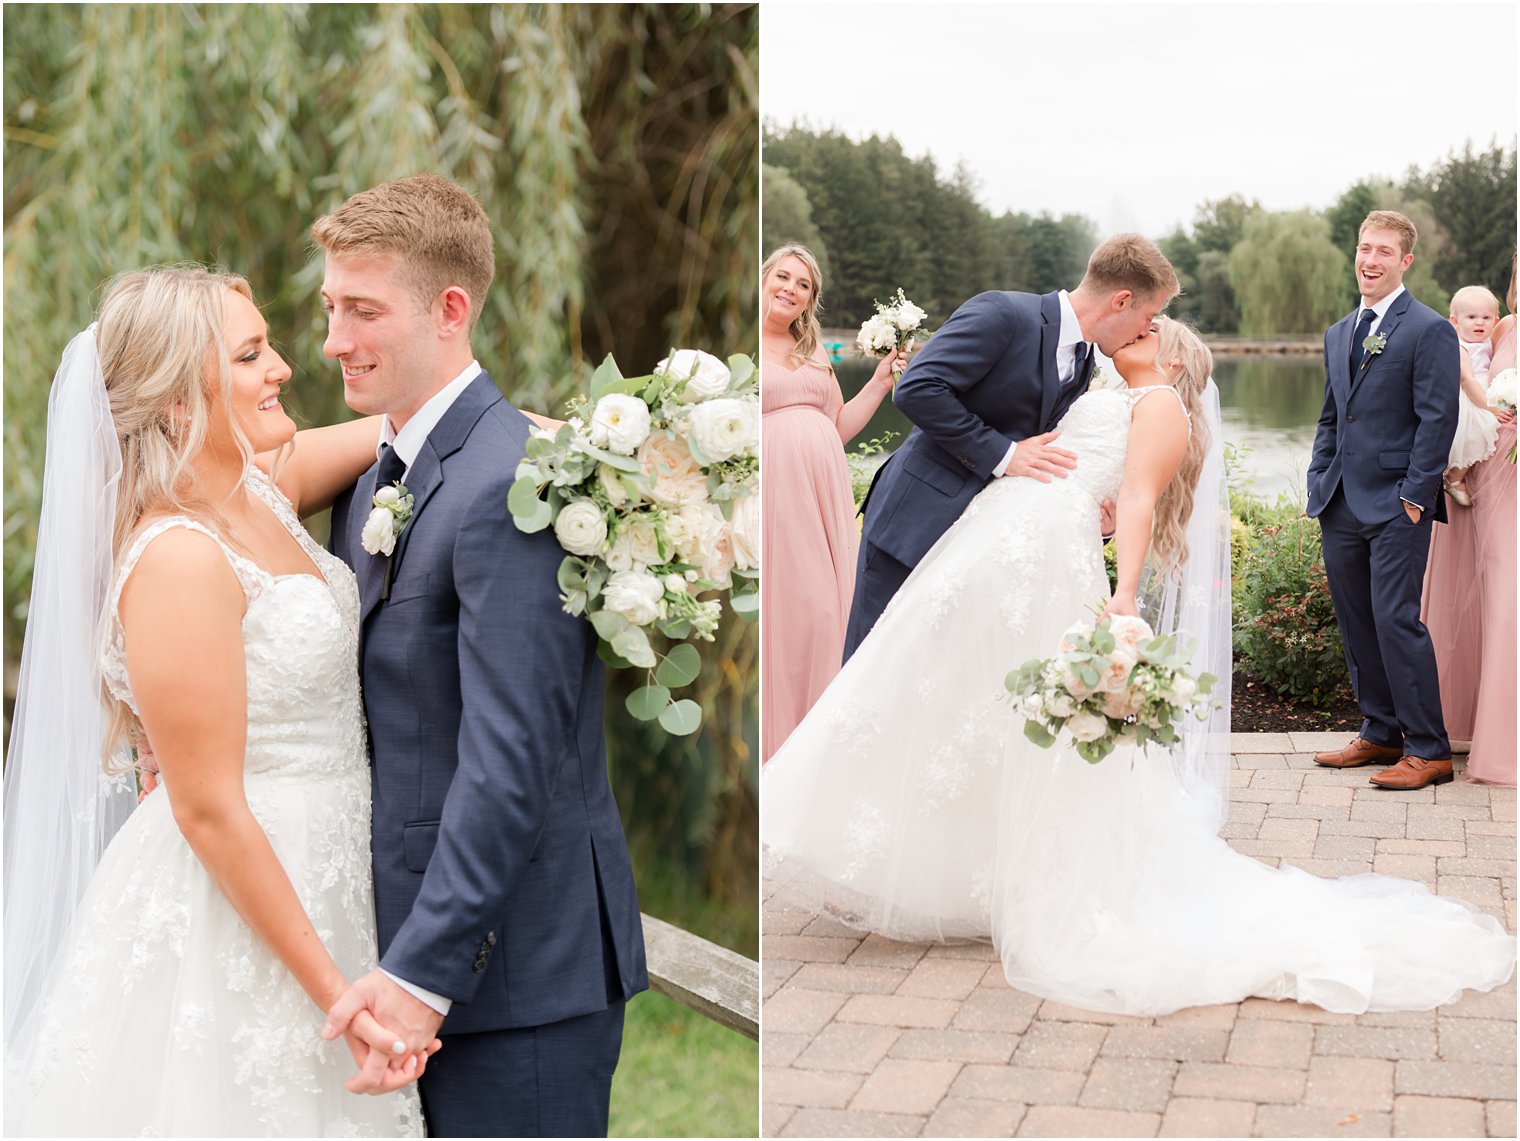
1197	602
60	808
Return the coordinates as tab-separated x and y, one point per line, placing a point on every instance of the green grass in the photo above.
683	1075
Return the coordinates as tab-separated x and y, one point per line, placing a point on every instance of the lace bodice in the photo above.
300	638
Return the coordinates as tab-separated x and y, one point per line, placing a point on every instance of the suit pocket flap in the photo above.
1393	461
942	479
409	586
417	843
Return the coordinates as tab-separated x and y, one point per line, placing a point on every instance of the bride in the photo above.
910	803
180	986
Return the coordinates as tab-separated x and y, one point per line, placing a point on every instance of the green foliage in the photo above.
788	216
864	462
1287	276
1472	196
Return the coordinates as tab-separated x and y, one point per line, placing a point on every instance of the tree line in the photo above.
879	218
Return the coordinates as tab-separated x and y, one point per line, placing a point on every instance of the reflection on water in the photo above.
1270	406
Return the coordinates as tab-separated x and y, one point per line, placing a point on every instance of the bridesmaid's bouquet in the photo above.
896	325
652	488
1109	683
1501	390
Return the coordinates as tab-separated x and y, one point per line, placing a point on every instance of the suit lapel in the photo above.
1050	336
1391	321
426	477
368	569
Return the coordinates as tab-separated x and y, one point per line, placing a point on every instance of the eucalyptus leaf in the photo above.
741	369
633	644
607	373
681	719
611	657
746	606
1040	735
680	667
570	576
608	624
648	702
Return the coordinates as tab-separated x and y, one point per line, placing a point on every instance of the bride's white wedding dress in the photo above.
909	802
166	1015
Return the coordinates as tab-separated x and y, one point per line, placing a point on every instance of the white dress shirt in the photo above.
1068	342
408	443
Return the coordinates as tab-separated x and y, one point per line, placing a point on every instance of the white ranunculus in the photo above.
635	595
705	375
581	528
676	477
387	495
1086	726
744	528
908	316
619	423
379	535
725	428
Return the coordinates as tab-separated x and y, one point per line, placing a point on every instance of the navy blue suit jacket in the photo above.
502	877
986	379
1386	430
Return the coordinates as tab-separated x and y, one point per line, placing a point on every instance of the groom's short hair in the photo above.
1132	262
436	227
1391	220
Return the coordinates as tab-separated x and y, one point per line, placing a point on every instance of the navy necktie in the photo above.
392	467
1078	362
1363	327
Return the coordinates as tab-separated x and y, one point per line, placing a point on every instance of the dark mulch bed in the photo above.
1256	708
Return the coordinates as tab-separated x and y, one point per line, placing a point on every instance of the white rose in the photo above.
612	483
1068	641
379	535
581	528
676	477
1129	631
637	546
1113	675
619	423
877	336
1124	704
1086	726
705	375
635	595
1061	705
387	495
744	529
1073	682
908	316
725	428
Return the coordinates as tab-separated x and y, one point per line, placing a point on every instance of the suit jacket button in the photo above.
479	965
490	938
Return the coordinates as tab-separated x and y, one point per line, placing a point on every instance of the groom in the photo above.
1391	379
504	897
986	393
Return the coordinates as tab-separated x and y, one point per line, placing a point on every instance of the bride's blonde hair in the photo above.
161	339
1179	342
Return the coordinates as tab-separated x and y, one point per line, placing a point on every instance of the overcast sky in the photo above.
1133	114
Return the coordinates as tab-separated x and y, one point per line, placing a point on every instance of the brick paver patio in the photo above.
866	1037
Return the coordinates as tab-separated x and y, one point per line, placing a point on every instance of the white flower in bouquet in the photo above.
1113	674
1085	726
676	477
1123	703
877	337
1129	633
379	534
675	582
1501	389
705	375
1181	691
635	595
722	429
1072	680
744	528
636	546
611	481
581	527
1068	641
907	316
1033	706
619	423
1060	705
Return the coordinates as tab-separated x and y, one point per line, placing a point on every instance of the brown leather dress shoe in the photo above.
1412	773
1359	752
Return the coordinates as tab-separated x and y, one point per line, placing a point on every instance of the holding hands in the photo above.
387	1061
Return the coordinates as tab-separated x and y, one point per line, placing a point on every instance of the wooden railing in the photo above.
712	980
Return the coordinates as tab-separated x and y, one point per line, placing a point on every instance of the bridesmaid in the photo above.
1492	486
809	533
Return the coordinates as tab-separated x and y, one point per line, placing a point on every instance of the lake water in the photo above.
1270	406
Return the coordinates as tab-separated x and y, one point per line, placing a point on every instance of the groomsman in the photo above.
1391	378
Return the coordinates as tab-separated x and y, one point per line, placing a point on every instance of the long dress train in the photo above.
166	1015
909	802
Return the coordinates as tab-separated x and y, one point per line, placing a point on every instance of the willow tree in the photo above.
615	149
1287	275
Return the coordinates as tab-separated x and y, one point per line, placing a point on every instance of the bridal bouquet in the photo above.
895	326
1501	390
651	487
1109	683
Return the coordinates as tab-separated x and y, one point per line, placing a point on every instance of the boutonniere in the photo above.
1374	343
393	507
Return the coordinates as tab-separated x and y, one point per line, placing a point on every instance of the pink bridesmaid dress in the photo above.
808	543
1492	485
